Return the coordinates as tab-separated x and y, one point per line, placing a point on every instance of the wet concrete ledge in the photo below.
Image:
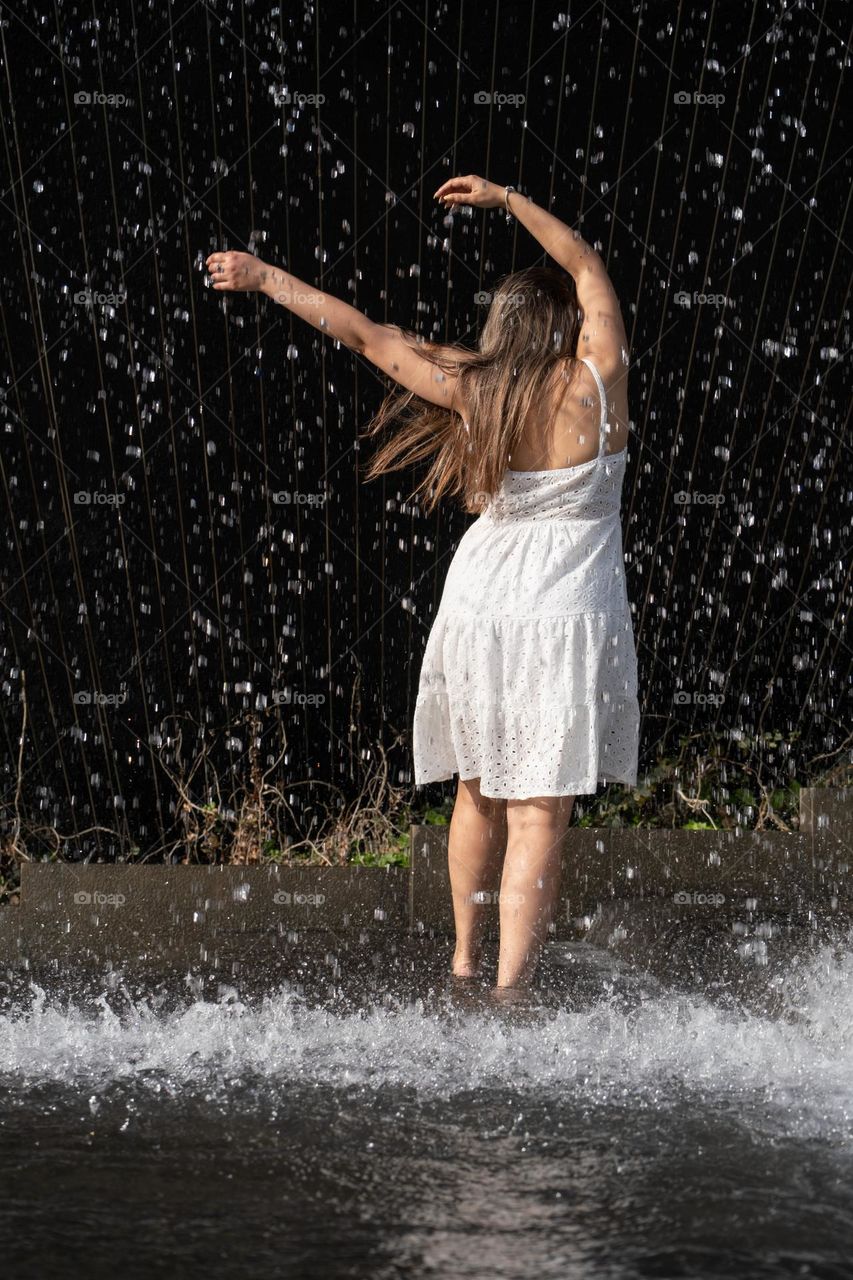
691	872
699	882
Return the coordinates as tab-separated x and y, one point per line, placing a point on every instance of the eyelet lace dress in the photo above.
529	676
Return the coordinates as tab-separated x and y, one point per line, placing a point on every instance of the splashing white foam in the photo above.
666	1044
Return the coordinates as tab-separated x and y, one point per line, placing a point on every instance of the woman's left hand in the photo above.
233	270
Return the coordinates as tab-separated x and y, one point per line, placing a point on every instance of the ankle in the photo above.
467	954
515	982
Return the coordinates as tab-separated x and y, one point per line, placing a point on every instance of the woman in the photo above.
528	687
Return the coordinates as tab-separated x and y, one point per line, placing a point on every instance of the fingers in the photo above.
458	186
219	268
454	198
231	269
224	257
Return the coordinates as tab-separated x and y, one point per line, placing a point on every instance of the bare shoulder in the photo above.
612	365
614	376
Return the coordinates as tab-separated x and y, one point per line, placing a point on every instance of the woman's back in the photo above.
529	679
563	430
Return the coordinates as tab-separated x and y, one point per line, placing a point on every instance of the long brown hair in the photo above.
531	331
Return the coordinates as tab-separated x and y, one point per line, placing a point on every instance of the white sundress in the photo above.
529	676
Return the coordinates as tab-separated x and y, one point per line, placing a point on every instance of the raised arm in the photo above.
381	344
603	334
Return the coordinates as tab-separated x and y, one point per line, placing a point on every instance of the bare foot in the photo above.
465	966
511	995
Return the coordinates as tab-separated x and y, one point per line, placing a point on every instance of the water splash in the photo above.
793	1073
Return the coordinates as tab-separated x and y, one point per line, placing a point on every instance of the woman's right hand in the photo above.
478	192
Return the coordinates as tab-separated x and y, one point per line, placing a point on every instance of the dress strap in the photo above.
602	435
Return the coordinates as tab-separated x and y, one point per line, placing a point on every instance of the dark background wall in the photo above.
703	148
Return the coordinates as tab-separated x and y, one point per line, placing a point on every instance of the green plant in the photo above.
709	781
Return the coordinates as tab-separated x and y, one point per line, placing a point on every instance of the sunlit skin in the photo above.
517	843
382	344
233	270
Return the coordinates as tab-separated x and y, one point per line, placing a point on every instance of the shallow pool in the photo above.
362	1120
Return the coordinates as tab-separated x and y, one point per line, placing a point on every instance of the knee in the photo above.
469	795
541	818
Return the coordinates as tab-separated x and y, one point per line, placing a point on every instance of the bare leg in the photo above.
475	846
530	883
